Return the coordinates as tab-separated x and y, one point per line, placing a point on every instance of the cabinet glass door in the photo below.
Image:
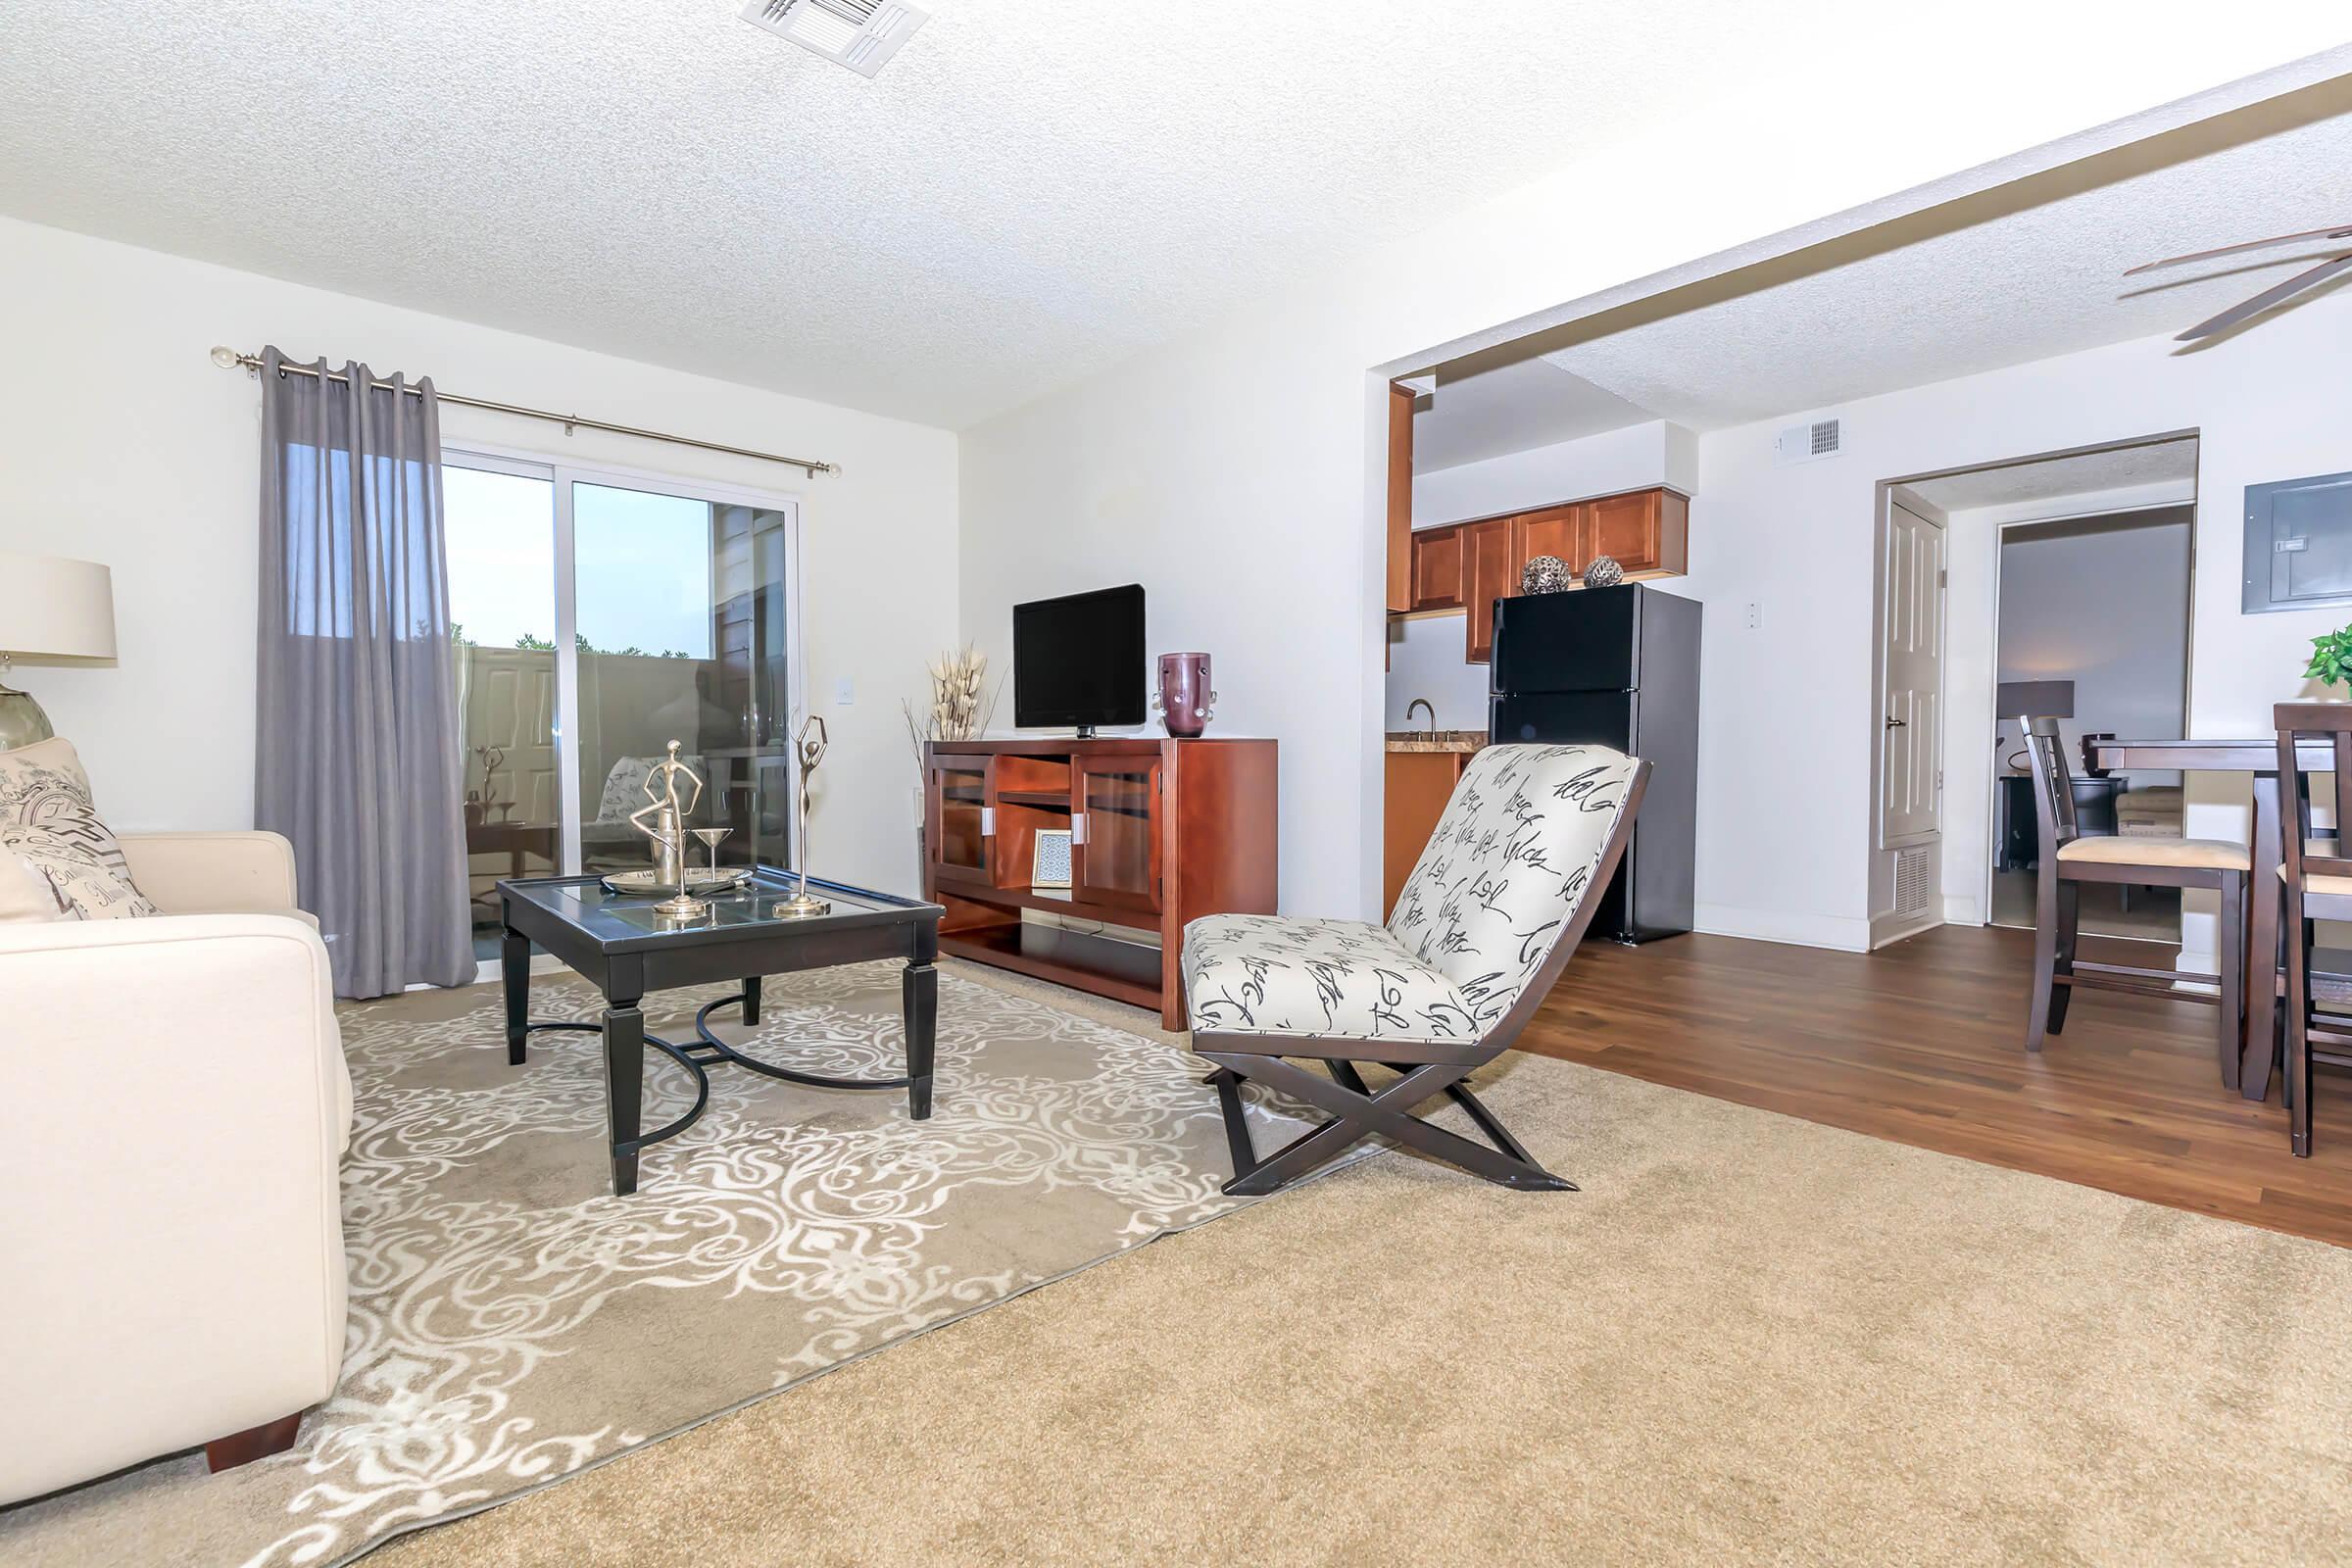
961	783
1114	858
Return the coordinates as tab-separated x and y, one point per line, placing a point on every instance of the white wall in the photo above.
1789	708
125	445
1611	462
1425	660
2108	610
1238	473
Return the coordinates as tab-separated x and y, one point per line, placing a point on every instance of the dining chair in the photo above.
2069	858
2316	884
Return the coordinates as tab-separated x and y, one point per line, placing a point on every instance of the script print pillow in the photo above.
49	824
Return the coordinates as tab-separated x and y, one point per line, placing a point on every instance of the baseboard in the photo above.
1962	909
1779	925
1887	926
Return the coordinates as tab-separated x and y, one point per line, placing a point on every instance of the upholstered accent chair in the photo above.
1481	931
174	1106
2068	859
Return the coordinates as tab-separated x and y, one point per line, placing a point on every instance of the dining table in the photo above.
2260	758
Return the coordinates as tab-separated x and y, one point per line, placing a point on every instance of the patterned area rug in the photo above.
512	1323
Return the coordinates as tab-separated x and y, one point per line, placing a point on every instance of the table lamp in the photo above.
2035	699
50	607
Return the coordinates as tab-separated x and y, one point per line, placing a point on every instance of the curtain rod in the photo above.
229	359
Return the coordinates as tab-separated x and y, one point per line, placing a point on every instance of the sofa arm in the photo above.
213	874
172	1107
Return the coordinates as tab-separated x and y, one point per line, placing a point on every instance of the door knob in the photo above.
1896	724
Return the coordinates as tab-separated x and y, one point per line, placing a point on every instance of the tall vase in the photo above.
1185	701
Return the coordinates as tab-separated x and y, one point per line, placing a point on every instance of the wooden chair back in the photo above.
2053	786
2301	724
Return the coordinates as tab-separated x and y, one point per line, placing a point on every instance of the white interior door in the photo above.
1911	733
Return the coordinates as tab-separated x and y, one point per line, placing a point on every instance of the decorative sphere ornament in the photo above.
1604	572
1544	574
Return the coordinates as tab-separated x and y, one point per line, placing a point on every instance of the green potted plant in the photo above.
2332	658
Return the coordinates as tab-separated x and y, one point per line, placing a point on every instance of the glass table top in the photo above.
615	916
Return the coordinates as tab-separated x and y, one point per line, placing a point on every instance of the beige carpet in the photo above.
511	1322
1748	1339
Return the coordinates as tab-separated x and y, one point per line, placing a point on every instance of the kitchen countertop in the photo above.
1444	740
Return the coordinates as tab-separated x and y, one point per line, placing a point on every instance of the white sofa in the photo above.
173	1105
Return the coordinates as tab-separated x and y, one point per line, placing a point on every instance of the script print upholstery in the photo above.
1503	875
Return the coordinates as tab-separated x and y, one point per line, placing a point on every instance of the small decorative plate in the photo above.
699	880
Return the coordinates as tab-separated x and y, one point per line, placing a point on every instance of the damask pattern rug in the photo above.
511	1323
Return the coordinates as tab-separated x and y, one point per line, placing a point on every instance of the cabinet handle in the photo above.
988	822
1078	830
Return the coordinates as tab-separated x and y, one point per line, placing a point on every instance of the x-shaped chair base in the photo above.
1356	1113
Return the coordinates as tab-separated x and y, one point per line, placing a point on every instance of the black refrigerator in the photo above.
1618	667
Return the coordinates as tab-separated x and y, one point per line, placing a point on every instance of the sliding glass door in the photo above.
602	617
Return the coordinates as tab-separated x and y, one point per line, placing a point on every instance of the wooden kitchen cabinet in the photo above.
1646	531
1491	566
1401	498
1553	532
1438	569
1419	787
1470	564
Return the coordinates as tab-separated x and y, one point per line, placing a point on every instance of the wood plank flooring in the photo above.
1921	1043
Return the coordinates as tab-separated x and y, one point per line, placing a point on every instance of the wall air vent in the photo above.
1911	881
857	33
1810	443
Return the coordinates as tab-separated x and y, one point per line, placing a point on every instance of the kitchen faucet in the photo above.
1422	702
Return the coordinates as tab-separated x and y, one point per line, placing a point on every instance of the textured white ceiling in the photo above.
1527	404
2054	478
2000	290
1031	191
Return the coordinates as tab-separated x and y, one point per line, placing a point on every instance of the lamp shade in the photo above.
54	607
2035	699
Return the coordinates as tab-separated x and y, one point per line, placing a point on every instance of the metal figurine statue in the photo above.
668	830
812	752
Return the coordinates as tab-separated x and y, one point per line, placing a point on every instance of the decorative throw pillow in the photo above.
624	786
81	886
25	897
48	823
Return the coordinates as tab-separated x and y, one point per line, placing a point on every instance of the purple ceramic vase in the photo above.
1185	702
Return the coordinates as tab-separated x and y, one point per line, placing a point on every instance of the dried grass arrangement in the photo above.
958	709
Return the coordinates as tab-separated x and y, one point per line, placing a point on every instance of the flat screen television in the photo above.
1079	660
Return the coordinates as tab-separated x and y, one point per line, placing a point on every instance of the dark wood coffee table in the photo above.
627	951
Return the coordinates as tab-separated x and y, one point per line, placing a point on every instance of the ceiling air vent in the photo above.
1808	443
857	33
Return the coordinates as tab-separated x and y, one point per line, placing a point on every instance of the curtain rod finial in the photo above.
224	357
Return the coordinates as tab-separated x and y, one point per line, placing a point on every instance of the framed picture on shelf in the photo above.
1052	868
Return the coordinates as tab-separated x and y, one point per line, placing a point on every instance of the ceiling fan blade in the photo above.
2341	231
2267	298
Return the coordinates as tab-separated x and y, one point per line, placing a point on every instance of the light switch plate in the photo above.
845	692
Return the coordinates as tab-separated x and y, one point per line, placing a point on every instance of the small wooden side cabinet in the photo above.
1163	831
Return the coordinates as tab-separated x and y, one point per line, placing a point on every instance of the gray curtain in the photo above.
360	762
